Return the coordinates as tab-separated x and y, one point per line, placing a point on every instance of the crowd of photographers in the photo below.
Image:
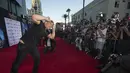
107	40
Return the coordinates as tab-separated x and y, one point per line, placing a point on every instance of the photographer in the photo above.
83	43
86	40
73	36
120	64
90	40
50	44
78	42
101	39
112	37
122	46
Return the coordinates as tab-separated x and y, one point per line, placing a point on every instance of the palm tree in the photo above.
65	17
68	10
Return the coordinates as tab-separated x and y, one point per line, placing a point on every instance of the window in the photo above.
76	18
127	15
117	4
79	16
128	6
116	12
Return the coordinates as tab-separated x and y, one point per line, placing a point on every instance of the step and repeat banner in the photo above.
2	38
13	29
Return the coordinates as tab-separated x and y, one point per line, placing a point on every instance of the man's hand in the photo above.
100	33
50	36
48	19
54	26
21	41
37	18
125	28
43	37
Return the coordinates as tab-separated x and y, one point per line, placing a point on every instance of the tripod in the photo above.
112	58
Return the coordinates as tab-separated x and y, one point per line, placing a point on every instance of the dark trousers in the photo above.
123	47
107	51
52	47
22	51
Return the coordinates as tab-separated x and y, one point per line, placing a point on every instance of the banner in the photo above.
13	29
2	38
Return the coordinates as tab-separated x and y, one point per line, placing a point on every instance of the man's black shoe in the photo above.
52	49
45	50
12	71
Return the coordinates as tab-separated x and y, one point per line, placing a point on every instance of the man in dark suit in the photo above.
28	42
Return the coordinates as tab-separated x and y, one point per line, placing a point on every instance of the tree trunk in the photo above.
68	17
65	22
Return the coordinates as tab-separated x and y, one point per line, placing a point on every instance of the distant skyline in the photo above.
56	8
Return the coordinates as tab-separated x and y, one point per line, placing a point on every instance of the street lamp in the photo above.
83	10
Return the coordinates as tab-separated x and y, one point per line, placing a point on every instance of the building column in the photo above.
10	5
83	10
16	9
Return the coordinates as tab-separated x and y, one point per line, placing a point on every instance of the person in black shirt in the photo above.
122	46
28	42
50	44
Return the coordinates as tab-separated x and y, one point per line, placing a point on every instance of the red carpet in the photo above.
66	59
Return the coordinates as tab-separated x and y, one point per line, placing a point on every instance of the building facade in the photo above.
36	9
14	7
108	7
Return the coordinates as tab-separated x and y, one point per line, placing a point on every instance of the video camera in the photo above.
114	59
101	16
115	18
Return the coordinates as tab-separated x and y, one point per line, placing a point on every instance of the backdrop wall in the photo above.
13	29
4	42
